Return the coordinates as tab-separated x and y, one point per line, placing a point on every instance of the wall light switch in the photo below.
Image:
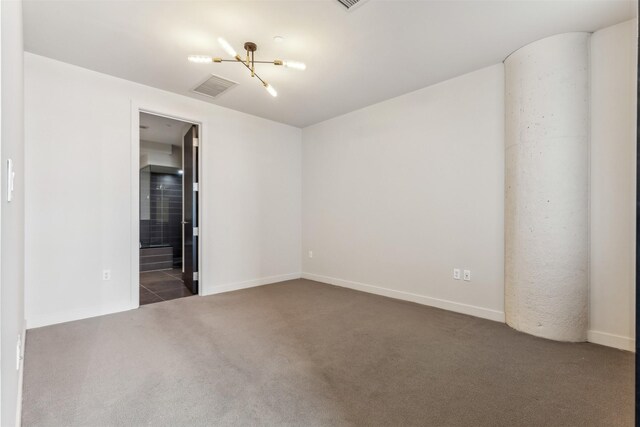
467	275
310	254
456	273
106	274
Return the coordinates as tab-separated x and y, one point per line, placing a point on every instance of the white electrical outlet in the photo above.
310	254
456	273
106	274
467	275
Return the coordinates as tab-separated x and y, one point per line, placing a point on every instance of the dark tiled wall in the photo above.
165	224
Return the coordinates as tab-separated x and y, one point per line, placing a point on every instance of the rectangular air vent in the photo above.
214	86
351	4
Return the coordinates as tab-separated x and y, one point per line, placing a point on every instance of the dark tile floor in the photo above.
156	286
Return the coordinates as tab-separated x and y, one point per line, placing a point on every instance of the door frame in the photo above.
136	109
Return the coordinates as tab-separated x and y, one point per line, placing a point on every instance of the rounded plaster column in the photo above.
546	187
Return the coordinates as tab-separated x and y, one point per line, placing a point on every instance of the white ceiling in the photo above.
354	58
161	129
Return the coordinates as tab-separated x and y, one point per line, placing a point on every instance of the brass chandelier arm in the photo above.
274	62
249	64
253	73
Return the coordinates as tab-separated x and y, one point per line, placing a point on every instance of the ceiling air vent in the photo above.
351	4
214	86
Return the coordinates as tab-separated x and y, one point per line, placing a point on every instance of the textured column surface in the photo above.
546	200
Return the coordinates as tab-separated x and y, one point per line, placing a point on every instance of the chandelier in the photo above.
248	62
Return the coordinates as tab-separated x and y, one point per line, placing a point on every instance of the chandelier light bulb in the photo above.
227	47
271	90
200	59
295	65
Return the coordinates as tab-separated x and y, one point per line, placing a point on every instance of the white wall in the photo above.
613	191
399	193
12	214
79	212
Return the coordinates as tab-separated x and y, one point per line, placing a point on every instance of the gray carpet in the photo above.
302	353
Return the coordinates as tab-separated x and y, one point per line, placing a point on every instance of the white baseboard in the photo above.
71	315
596	337
21	378
472	310
250	283
612	340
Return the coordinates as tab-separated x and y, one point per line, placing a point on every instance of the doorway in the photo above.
168	203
